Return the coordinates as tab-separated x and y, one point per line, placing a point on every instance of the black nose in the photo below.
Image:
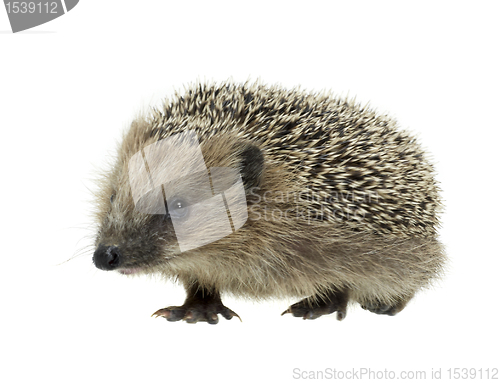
107	257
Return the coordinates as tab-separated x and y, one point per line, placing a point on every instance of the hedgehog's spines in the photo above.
341	135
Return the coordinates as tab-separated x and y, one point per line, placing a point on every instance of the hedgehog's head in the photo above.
168	196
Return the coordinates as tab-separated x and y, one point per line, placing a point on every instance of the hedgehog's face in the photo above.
167	202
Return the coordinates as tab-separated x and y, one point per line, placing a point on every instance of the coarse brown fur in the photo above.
339	200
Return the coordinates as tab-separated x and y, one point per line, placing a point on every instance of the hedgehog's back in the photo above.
358	167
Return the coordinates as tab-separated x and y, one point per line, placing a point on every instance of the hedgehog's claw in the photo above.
228	314
172	313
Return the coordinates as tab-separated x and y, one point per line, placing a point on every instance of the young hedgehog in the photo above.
325	201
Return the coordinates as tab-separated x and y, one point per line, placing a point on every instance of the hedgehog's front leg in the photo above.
322	304
200	306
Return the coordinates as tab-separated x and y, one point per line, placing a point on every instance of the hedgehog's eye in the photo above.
112	198
178	209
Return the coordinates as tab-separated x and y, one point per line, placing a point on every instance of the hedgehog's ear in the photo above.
251	164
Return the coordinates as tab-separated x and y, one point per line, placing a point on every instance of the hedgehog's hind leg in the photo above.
378	307
200	306
324	304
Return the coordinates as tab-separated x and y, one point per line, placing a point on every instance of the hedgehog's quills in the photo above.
321	199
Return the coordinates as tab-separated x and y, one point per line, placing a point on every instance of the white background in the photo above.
70	87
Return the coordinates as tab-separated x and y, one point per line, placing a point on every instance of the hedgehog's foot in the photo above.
200	306
312	308
193	313
378	307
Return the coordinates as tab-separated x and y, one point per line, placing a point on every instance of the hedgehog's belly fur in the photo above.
371	267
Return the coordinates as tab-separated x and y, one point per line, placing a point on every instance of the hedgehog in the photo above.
263	192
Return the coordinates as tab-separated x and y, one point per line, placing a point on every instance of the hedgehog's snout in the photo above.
107	257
